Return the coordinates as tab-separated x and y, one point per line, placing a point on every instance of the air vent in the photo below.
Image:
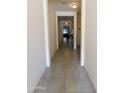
64	3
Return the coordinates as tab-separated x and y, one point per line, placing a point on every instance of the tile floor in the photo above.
65	74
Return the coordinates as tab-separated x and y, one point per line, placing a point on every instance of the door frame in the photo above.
46	30
67	13
83	29
46	23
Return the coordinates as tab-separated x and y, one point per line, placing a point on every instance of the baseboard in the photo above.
95	88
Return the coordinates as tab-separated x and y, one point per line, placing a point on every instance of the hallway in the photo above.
65	74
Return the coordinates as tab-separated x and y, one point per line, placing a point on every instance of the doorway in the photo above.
67	16
66	13
65	30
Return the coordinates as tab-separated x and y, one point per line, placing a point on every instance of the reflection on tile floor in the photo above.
65	74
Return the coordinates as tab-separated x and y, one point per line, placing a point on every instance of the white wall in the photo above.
52	28
91	41
36	43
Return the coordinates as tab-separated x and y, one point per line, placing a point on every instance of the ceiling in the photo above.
65	5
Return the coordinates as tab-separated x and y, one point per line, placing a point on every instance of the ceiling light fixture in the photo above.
66	23
74	6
